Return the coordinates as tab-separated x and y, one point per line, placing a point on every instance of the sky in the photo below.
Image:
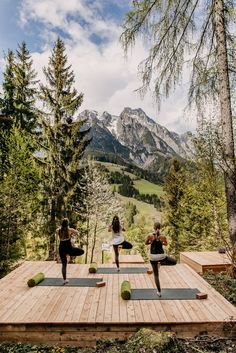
91	31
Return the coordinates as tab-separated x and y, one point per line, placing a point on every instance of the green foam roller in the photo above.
36	279
93	267
125	290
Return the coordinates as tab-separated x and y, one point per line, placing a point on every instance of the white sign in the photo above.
106	247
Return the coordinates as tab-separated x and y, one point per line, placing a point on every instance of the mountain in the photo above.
133	137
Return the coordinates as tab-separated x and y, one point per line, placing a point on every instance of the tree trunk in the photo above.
87	241
52	229
94	241
226	117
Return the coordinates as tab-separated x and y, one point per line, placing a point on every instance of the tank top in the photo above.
156	247
117	238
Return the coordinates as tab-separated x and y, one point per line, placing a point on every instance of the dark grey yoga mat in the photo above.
73	282
166	294
111	270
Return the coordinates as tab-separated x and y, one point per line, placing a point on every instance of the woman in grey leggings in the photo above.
156	240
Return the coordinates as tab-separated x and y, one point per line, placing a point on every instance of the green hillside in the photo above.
145	187
144	209
142	185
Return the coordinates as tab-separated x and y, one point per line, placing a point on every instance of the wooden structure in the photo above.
130	259
81	315
202	261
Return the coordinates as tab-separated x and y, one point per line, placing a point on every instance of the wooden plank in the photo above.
115	316
136	303
108	299
122	303
87	304
130	259
79	307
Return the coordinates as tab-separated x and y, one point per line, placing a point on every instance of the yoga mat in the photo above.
166	294
113	270
73	282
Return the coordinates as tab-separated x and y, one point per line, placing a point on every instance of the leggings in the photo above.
125	245
65	248
168	261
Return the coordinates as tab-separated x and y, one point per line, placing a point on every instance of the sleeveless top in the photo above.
117	238
157	251
70	232
156	247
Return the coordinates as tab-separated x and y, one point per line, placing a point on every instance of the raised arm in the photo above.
57	237
73	232
163	239
149	240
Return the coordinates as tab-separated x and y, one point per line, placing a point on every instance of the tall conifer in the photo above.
25	90
65	137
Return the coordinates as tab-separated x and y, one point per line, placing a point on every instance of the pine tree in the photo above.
7	108
174	28
65	139
19	190
174	190
25	91
8	86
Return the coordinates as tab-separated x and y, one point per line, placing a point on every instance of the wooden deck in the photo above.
130	259
80	316
205	260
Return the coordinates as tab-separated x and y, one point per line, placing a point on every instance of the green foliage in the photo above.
137	235
130	212
173	193
19	202
144	341
65	140
25	92
195	205
145	187
173	29
224	284
149	341
127	186
8	86
97	206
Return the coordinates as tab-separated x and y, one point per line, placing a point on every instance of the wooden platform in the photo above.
130	259
206	260
81	316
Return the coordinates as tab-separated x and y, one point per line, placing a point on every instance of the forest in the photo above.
45	176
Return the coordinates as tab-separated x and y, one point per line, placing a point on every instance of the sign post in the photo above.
105	247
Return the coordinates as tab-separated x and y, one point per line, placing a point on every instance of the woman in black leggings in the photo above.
156	240
65	248
118	239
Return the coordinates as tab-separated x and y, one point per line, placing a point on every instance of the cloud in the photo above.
91	34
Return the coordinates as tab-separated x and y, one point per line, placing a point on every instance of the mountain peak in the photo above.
135	137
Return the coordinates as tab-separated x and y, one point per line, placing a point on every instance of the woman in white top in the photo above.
65	235
118	239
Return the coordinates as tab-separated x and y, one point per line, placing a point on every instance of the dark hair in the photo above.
157	227
115	224
64	231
